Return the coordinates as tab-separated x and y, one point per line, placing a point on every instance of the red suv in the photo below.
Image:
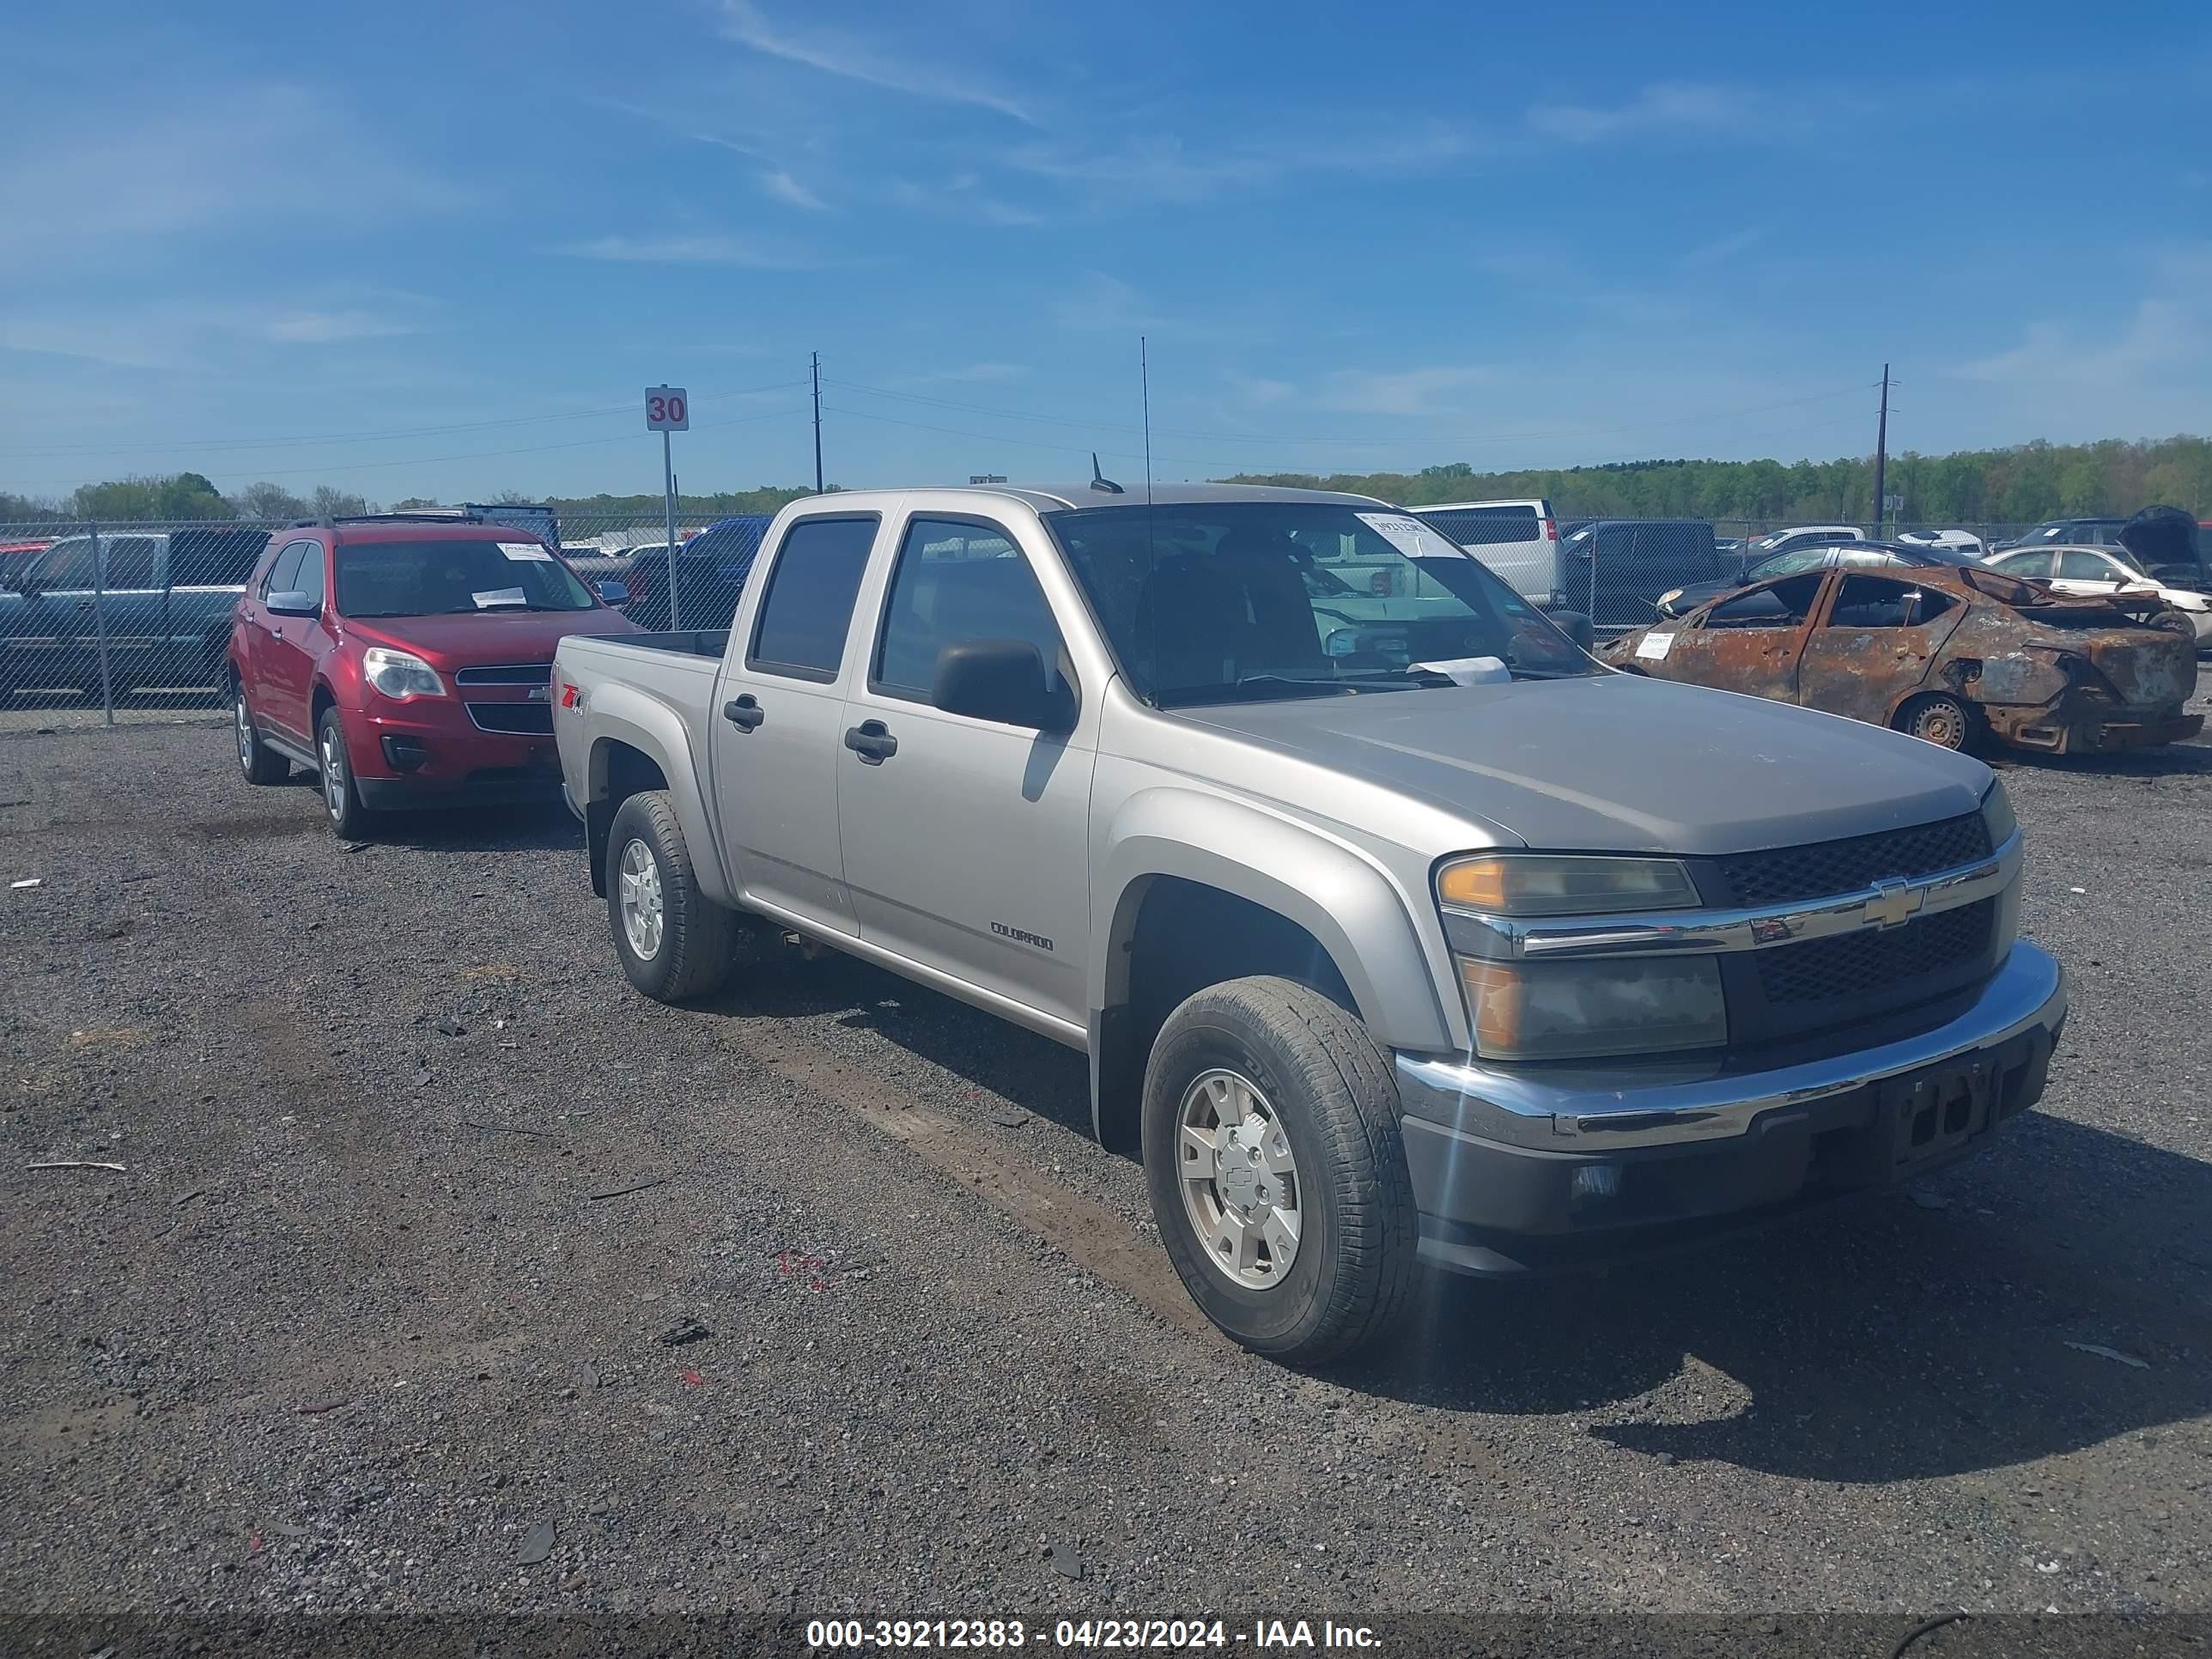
409	662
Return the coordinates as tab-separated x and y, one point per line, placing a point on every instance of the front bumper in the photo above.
431	753
1513	1170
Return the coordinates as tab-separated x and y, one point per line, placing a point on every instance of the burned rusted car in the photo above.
1945	654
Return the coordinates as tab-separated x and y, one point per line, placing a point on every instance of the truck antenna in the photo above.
1099	481
1145	386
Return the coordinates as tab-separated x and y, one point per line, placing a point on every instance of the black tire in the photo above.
1330	1090
692	954
259	764
2176	621
342	804
1939	718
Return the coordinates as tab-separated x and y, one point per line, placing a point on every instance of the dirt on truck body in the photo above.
1944	654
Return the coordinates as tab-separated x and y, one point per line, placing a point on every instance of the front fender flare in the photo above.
1344	898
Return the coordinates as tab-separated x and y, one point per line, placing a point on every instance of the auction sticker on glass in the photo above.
485	601
1411	537
524	552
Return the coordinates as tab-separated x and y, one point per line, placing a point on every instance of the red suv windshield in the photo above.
447	577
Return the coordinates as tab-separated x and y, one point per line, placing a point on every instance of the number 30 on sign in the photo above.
667	409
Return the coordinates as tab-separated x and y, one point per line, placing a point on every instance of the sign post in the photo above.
668	408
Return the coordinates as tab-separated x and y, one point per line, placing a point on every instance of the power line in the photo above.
383	434
437	461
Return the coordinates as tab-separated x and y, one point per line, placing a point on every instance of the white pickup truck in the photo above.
1398	930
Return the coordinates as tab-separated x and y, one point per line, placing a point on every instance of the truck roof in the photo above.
1059	497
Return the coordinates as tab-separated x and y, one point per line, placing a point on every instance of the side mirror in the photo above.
616	593
1001	680
1577	627
292	604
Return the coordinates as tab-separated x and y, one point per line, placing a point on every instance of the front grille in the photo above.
529	719
1851	964
507	673
1828	868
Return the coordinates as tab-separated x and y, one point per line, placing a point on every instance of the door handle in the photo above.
85	605
872	741
744	713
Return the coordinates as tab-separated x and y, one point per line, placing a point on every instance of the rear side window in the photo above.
1485	526
1880	602
222	558
808	608
131	561
957	582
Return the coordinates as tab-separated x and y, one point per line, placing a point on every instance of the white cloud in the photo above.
1721	249
959	197
2161	335
1097	302
326	327
1406	392
1662	108
124	165
856	59
785	188
1156	169
710	248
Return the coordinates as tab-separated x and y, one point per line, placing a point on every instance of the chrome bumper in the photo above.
1662	1103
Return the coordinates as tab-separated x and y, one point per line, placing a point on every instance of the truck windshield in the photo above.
1244	600
440	577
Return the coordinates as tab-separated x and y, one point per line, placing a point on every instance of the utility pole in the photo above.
818	422
1880	450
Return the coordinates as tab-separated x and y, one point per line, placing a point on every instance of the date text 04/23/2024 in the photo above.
1112	1634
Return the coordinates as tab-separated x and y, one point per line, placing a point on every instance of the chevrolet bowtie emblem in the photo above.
1895	902
541	694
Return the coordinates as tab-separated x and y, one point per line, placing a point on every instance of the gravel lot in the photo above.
360	1327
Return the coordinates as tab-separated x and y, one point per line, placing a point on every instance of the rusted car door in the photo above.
1873	640
1749	641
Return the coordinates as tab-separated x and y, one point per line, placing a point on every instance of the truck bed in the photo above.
684	642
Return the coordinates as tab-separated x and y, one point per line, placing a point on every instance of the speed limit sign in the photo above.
667	409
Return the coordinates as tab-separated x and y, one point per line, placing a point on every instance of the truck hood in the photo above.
1615	764
486	637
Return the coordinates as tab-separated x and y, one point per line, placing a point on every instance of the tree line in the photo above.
2019	485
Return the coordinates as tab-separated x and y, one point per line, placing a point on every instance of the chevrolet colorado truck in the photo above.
1398	930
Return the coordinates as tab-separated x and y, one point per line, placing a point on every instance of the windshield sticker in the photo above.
525	552
500	596
1411	537
1654	647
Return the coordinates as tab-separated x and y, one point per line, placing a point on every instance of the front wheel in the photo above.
674	942
1276	1169
342	802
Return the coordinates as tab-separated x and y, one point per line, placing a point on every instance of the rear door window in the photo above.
131	563
807	610
1882	602
1485	526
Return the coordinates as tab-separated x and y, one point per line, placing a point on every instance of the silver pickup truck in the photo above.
1397	929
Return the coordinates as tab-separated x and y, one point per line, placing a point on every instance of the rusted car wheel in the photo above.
1940	719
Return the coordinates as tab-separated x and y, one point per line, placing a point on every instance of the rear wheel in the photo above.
260	763
674	942
1277	1174
2177	622
1938	718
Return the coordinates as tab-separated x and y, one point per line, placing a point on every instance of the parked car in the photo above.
1441	945
1761	547
1815	555
710	573
2069	533
1946	654
161	600
1958	541
1518	539
2104	570
407	660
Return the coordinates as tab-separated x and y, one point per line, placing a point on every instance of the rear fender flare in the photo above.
621	715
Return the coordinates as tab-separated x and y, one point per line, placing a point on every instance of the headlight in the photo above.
1996	815
1670	596
1602	1005
400	674
1530	885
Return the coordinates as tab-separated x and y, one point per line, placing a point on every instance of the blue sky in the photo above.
441	248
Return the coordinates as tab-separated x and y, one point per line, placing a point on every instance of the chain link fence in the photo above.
103	624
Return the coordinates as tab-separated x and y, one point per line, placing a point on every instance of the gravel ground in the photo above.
370	1323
